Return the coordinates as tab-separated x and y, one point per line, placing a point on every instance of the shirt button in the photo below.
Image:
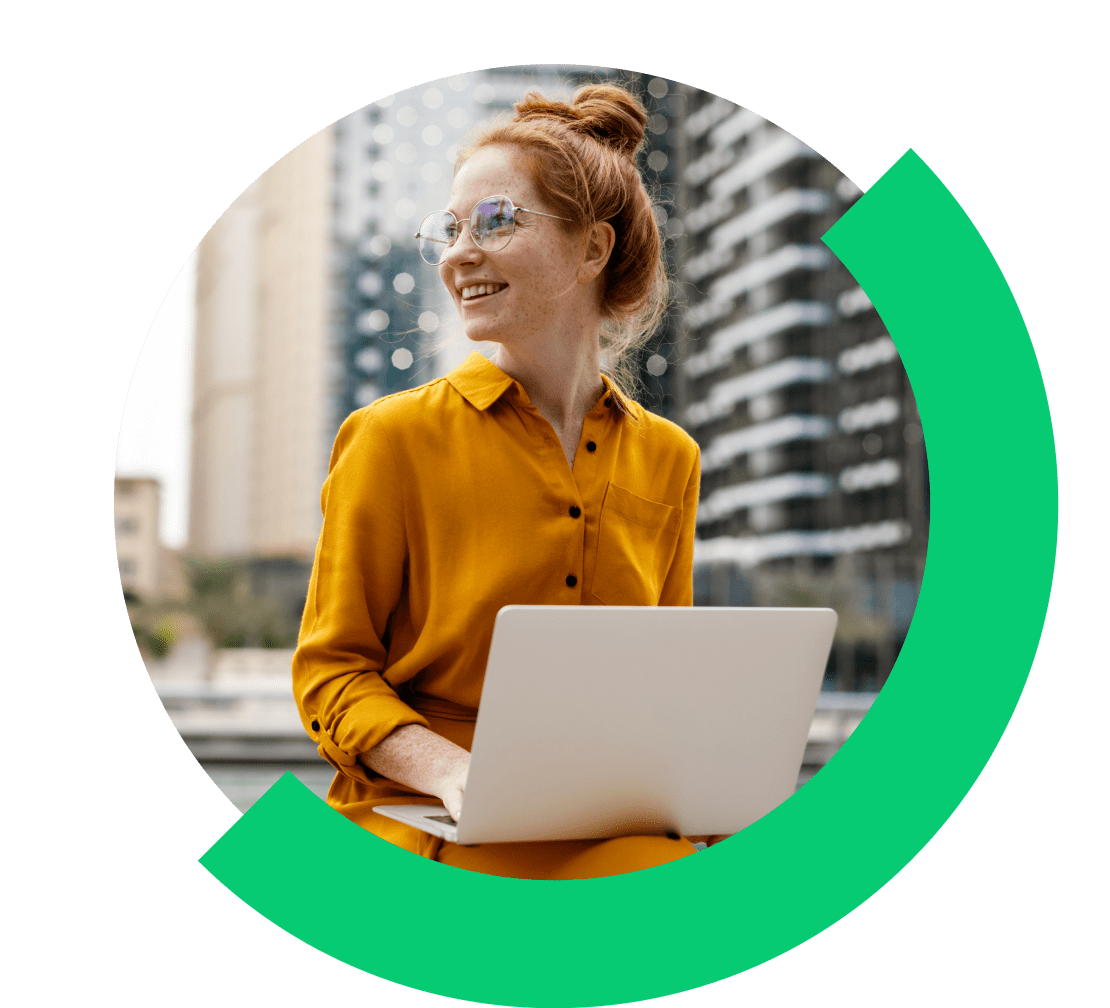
609	401
571	580
575	510
315	725
590	446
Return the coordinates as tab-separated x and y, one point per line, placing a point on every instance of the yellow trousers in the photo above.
566	859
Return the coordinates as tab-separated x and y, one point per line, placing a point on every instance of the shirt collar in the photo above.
481	383
621	403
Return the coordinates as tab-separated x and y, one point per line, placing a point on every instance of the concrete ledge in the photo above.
253	749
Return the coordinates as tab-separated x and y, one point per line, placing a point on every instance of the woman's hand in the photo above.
424	761
709	839
451	792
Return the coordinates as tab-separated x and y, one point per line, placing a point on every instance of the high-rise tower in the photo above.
261	358
813	470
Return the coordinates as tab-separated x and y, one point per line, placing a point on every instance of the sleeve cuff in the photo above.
357	731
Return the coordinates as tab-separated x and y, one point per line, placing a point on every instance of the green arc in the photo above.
889	789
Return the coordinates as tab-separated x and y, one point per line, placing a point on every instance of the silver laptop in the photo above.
605	721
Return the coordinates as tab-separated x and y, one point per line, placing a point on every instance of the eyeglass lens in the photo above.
492	222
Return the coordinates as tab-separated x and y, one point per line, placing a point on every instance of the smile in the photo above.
481	290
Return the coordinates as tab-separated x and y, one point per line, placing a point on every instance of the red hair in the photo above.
582	157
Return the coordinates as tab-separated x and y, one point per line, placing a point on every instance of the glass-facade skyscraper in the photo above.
813	469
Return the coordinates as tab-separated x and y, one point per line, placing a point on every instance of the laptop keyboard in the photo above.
443	819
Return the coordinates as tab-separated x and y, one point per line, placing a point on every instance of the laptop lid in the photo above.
602	721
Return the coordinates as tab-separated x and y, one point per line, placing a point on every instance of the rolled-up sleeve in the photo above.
678	588
347	707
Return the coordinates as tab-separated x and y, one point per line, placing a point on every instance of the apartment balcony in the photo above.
708	116
725	342
881	473
867	355
755	493
770	267
761	162
749	551
724	396
766	214
868	415
723	450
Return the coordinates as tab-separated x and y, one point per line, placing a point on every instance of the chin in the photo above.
478	333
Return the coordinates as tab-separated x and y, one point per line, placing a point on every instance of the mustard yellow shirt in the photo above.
446	502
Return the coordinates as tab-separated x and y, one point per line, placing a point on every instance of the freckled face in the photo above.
526	288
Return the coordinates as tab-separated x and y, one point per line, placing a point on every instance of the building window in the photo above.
126	526
127	566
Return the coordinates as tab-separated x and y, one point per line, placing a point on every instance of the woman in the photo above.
532	479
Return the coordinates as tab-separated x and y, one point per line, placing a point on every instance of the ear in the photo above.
599	247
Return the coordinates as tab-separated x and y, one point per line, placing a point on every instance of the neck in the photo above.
562	381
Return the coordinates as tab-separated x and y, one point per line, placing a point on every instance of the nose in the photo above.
464	252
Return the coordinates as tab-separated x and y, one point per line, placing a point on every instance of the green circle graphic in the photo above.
874	806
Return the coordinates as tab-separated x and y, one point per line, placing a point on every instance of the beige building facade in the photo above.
147	569
260	423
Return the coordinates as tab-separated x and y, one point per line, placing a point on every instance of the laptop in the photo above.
606	721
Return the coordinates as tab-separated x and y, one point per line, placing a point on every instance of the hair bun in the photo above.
609	114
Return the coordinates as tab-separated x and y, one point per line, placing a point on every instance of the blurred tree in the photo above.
857	622
224	597
156	625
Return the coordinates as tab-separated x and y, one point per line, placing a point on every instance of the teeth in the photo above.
477	290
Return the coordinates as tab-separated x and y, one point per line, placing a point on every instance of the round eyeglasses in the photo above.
492	223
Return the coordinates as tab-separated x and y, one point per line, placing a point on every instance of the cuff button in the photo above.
315	725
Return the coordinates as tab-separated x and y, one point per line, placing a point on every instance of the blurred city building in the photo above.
261	432
813	468
138	550
661	160
259	439
148	570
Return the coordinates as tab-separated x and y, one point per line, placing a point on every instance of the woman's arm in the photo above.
357	581
420	759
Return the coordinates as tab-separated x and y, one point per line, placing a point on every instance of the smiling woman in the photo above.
504	482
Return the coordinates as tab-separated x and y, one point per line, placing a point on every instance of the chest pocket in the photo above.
635	544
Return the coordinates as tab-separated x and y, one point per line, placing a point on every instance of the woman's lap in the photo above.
557	859
566	859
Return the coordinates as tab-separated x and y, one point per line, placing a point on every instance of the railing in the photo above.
836	717
258	723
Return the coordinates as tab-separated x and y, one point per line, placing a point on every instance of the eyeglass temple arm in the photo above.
541	213
525	209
